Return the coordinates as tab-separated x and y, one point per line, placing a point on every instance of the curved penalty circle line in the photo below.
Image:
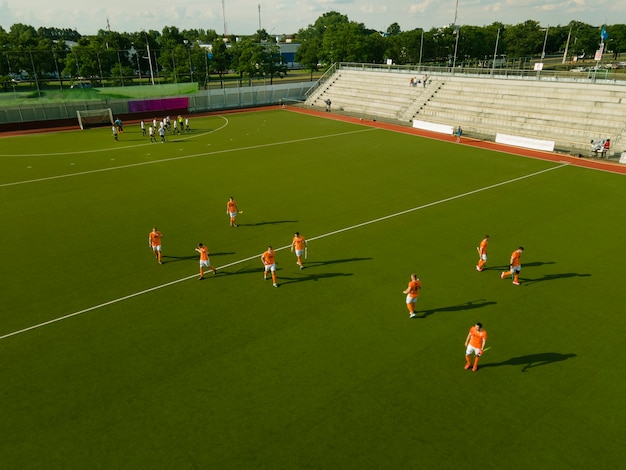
87	152
318	237
182	157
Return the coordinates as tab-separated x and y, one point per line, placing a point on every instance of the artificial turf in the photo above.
158	370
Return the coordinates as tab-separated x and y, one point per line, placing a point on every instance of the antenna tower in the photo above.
259	17
224	14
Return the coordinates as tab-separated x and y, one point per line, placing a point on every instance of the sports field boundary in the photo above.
256	256
611	167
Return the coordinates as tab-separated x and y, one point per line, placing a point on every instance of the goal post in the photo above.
94	117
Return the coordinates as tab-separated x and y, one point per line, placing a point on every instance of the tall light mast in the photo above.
224	14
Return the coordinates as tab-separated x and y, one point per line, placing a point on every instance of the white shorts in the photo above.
205	263
483	257
410	300
472	350
299	252
156	247
516	269
233	214
270	267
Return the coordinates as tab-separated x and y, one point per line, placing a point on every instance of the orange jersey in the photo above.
414	287
268	257
483	246
232	206
155	238
204	253
298	242
477	337
516	258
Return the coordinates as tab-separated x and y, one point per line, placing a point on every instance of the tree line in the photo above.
172	55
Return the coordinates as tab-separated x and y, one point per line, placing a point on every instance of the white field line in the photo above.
352	227
117	147
184	157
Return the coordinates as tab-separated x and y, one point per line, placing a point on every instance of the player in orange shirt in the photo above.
154	242
475	344
482	253
269	261
205	262
299	245
515	266
412	292
231	210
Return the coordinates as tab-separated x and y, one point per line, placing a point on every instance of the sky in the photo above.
284	17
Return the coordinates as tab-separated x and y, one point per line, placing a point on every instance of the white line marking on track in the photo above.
352	227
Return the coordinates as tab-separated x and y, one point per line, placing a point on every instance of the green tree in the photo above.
393	29
273	63
221	60
343	42
309	53
247	59
524	39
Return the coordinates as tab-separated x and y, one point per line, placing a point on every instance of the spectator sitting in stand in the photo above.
605	148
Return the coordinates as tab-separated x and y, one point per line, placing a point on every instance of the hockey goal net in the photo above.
94	117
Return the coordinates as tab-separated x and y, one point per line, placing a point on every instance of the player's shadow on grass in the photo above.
280	270
472	304
173	259
311	264
531	360
505	267
268	222
552	277
282	280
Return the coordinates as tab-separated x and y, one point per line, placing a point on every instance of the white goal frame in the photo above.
94	117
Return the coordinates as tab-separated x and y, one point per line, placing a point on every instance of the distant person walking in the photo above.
298	244
515	266
205	262
114	130
482	253
154	242
475	344
269	262
458	133
412	292
328	103
231	210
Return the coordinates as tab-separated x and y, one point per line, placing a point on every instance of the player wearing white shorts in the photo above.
231	210
482	253
475	344
298	245
154	242
205	262
269	263
412	293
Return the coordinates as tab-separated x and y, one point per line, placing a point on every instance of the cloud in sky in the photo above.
287	17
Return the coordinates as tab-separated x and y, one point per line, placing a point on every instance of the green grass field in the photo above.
110	360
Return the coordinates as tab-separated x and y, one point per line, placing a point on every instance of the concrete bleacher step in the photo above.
568	113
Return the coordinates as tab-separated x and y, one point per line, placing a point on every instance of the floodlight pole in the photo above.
569	35
495	53
456	46
545	40
149	59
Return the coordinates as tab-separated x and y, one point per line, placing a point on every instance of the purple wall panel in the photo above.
163	104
